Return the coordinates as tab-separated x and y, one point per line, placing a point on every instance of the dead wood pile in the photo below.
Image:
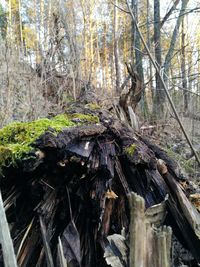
70	198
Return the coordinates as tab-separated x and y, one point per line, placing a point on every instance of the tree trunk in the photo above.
136	46
159	95
116	49
183	68
170	52
150	70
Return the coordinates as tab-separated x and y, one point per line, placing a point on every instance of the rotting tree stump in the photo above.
68	202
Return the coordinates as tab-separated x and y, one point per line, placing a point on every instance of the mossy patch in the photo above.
92	106
83	118
16	139
130	149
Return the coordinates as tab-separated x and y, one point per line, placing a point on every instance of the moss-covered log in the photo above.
65	189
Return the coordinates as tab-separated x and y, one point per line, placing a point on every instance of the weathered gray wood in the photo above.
61	257
137	231
47	249
188	209
5	239
149	245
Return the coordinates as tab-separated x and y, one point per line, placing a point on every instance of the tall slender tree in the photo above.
116	48
183	67
136	44
170	52
159	95
3	22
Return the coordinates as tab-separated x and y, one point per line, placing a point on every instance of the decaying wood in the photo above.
129	98
195	199
149	246
47	249
188	209
61	257
99	165
5	239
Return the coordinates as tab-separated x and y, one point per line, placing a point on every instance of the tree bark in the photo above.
159	93
170	52
136	46
183	68
116	49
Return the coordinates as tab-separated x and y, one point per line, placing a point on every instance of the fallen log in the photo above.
66	182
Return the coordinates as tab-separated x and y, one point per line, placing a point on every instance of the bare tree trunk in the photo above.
159	94
105	52
136	45
116	48
21	46
149	46
183	68
174	38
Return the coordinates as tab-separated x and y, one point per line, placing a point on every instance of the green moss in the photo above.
5	154
92	106
16	138
130	149
82	118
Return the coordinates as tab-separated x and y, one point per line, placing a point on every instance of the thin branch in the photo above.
169	13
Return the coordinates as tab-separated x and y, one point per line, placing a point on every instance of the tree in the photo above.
3	22
116	48
170	52
136	44
183	67
159	95
159	101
